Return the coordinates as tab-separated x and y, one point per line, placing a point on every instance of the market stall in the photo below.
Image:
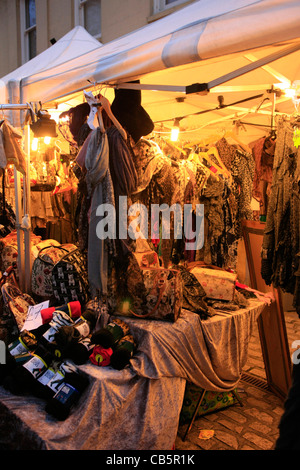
210	75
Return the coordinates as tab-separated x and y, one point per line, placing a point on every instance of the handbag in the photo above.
14	307
217	283
48	256
70	278
7	216
156	294
194	296
9	250
128	275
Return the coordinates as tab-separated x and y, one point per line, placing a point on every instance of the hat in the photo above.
128	110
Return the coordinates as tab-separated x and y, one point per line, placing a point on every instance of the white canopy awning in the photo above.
75	43
200	43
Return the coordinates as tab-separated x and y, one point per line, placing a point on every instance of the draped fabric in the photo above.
121	163
97	178
139	406
11	151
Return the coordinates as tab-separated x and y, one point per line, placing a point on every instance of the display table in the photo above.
138	408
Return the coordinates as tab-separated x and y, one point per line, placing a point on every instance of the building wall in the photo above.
131	15
10	54
55	18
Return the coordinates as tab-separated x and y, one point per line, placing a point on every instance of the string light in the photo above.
34	144
175	130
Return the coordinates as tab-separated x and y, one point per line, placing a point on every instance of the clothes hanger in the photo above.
97	104
102	101
174	146
91	100
237	140
213	150
198	158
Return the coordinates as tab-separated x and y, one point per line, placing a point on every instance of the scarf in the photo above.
100	189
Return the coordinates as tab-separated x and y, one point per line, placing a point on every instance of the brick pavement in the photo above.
253	426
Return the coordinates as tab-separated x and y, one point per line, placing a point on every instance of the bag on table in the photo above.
70	278
129	275
41	278
152	292
9	250
217	283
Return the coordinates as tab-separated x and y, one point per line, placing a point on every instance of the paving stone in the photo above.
278	410
262	428
257	403
228	439
206	444
230	425
267	418
259	441
239	418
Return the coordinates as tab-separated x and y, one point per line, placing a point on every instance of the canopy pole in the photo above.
253	66
273	111
26	222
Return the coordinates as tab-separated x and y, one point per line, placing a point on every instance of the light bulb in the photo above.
34	144
47	140
174	134
175	131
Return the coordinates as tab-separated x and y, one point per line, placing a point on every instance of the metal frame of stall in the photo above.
23	228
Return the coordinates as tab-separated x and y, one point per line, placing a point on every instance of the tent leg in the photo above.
27	224
20	233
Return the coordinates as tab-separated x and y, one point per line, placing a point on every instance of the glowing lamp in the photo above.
175	131
44	126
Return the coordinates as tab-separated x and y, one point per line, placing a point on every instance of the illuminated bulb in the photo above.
175	131
290	92
65	119
47	140
34	144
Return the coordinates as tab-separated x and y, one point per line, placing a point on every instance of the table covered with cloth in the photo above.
138	407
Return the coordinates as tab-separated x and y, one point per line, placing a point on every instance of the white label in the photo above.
83	329
17	348
50	334
46	377
34	317
56	381
35	366
87	343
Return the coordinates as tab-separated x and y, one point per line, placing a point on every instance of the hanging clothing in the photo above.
281	242
242	170
242	167
100	190
263	153
3	159
147	160
13	151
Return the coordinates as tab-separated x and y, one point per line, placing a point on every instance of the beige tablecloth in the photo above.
138	408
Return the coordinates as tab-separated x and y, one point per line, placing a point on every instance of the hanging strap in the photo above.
3	192
149	314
